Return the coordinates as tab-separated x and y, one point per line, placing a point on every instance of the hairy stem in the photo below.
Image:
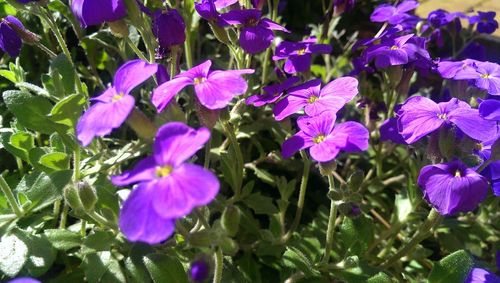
219	262
10	197
331	223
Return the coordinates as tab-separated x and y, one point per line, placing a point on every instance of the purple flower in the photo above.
169	28
168	188
398	51
314	100
420	116
96	12
489	109
393	15
112	107
389	131
486	76
452	187
458	70
256	34
492	171
271	93
439	18
24	280
324	139
214	89
486	22
207	9
199	270
10	41
298	54
480	275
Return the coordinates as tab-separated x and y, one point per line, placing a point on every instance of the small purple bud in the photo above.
355	211
169	28
199	270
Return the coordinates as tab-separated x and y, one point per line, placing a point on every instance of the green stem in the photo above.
265	66
188	51
83	228
219	261
173	63
76	164
206	162
101	220
135	49
331	223
64	216
45	49
10	197
231	135
302	196
424	231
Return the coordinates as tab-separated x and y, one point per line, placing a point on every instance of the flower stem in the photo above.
219	261
331	223
302	196
64	216
188	51
101	220
45	49
206	162
10	197
135	49
433	219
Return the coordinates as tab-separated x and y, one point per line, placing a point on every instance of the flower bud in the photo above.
26	35
87	196
231	220
203	238
326	168
119	28
208	117
220	33
395	73
73	199
355	180
335	195
446	142
169	28
199	270
229	246
237	111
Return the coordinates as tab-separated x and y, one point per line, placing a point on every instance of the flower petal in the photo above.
10	42
175	142
324	103
473	125
344	87
166	91
324	151
139	220
255	39
298	63
489	109
357	136
132	74
144	170
268	24
418	117
288	106
295	143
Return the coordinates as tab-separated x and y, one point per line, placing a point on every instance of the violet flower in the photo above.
214	89
440	18
256	34
420	116
168	188
489	109
199	270
393	15
96	12
24	280
169	28
492	171
481	275
486	75
389	131
298	55
486	22
397	51
271	93
324	139
208	9
10	41
457	70
113	106
452	187
314	99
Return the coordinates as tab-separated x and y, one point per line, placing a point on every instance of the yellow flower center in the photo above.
394	47
199	80
301	51
485	76
117	97
163	171
458	174
377	42
312	99
319	138
442	116
479	146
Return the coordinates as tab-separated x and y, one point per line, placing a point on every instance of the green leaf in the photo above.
99	241
357	234
63	239
17	144
379	278
43	189
55	160
295	259
11	76
103	267
68	110
453	268
261	204
64	67
41	255
31	111
163	268
13	254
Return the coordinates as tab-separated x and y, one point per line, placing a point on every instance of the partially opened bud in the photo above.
119	28
87	195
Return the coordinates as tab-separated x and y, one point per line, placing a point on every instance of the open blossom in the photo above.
271	92
214	89
393	15
492	171
420	116
452	187
314	99
168	187
208	9
397	51
439	18
169	28
325	139
486	75
112	107
457	70
256	33
298	55
486	22
489	109
10	41
389	131
96	12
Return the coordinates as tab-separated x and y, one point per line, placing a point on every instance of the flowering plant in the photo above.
248	141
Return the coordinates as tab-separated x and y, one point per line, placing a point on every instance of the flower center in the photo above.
377	41
394	47
199	80
117	97
485	76
163	171
458	174
301	51
442	116
479	146
319	138
312	99
252	22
